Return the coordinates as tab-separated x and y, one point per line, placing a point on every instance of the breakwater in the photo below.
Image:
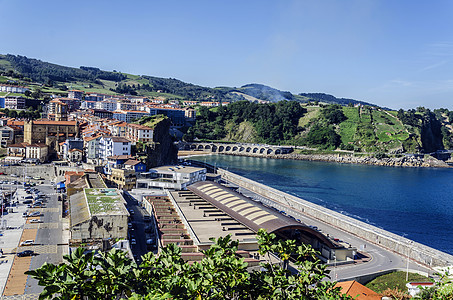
417	252
404	161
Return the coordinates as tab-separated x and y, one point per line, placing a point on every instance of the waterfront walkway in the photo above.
372	258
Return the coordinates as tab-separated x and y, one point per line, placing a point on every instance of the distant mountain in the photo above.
265	92
326	98
92	79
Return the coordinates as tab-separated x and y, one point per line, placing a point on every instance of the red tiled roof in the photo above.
132	162
353	289
120	157
48	122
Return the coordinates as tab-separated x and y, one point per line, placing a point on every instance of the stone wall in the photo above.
403	246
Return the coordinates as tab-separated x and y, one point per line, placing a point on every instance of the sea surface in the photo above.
413	202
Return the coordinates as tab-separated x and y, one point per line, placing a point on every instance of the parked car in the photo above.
27	243
26	253
35	221
35	214
133	242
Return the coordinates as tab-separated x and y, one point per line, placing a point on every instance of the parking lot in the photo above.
35	230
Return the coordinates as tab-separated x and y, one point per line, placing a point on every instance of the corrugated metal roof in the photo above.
79	209
253	215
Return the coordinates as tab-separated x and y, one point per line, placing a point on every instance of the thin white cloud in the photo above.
433	66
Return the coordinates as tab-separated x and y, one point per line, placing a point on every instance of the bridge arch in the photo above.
269	151
241	149
207	147
228	148
262	150
193	146
235	148
221	148
200	147
255	150
214	148
278	151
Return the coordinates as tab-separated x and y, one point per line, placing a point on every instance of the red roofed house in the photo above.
355	289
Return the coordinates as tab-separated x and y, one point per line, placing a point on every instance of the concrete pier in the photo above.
417	252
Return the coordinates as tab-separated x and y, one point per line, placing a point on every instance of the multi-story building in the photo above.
125	179
57	110
126	106
73	103
113	146
129	115
6	136
13	89
115	162
76	94
14	102
68	145
102	113
139	133
37	152
75	155
94	97
88	104
24	151
92	149
118	128
171	177
106	105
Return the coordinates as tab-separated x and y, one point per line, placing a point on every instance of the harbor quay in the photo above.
415	252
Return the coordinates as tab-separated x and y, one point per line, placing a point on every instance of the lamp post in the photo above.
409	250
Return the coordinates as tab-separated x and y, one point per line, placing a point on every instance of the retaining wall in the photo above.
418	252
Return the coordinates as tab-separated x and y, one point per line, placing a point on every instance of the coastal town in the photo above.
102	172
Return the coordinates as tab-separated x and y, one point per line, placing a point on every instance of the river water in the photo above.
413	202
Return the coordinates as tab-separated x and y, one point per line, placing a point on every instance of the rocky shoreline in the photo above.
404	161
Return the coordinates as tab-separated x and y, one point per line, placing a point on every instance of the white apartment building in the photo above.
129	115
139	133
109	105
13	89
112	146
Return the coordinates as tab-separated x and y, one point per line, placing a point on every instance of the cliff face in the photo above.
431	134
162	151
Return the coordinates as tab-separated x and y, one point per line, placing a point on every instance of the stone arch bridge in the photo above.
239	148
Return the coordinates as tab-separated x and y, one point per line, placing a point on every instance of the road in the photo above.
380	259
137	231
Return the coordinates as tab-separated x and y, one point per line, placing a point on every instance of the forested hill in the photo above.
327	127
90	79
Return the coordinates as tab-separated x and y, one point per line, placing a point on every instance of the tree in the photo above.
222	274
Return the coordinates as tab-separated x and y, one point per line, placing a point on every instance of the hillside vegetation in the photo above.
57	79
326	127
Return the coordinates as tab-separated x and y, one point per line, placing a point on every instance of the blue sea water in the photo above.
411	202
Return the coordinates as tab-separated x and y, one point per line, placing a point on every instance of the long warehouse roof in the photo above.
249	213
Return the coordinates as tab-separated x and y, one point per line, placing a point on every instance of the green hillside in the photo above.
325	127
57	79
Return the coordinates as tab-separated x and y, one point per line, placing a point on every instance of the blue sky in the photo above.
392	53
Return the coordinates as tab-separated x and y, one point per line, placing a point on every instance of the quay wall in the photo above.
417	252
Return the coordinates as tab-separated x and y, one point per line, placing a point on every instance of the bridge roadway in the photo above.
239	148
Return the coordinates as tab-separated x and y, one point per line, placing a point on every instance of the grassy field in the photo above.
394	280
312	113
349	126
